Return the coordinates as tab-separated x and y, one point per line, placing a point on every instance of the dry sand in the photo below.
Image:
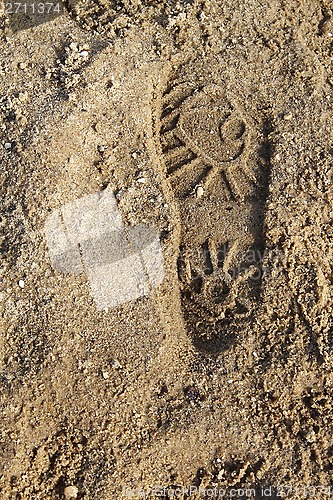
211	121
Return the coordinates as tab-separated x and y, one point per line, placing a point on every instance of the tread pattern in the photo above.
207	141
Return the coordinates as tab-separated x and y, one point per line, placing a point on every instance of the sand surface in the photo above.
211	122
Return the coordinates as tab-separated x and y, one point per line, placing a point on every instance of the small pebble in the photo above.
105	374
21	283
8	145
288	116
310	436
142	180
71	492
220	475
116	364
84	53
199	191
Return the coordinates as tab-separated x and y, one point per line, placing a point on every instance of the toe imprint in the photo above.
203	132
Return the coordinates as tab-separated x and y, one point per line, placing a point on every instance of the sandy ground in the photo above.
210	121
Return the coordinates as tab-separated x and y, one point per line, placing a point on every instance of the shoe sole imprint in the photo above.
208	141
